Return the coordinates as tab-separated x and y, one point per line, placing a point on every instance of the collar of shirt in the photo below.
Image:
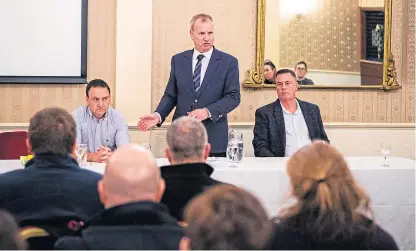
207	54
298	110
92	115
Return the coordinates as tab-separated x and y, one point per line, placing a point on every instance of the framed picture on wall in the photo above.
43	41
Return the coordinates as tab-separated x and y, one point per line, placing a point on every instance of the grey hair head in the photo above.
186	138
204	17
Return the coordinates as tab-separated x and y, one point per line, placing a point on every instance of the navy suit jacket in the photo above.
219	93
51	190
270	133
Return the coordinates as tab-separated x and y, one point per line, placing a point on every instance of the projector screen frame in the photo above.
60	79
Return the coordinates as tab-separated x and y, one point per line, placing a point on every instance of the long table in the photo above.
391	189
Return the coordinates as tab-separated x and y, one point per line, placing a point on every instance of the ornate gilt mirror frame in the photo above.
255	76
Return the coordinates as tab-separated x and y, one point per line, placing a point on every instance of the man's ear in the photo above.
28	145
185	243
101	192
207	151
168	154
160	190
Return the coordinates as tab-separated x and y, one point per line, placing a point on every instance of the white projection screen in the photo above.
43	41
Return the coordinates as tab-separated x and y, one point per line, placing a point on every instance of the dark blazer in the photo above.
135	226
50	190
183	182
219	93
269	129
287	238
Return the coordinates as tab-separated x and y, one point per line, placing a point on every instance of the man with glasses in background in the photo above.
100	126
301	69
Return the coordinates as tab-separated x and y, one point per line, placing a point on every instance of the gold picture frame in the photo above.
255	77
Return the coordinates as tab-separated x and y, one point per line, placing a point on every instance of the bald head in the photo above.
131	175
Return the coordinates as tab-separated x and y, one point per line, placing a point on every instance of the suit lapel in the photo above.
189	73
280	121
213	64
308	117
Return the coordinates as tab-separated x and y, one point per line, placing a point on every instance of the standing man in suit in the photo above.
203	84
286	125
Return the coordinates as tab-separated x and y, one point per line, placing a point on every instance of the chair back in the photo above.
37	238
13	145
43	236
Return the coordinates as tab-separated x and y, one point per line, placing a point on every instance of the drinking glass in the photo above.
147	146
81	153
235	148
385	149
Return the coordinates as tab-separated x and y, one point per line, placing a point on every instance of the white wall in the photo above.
134	61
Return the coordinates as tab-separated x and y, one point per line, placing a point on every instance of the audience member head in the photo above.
226	217
301	69
286	85
10	238
202	32
269	70
131	175
98	97
52	130
326	192
187	141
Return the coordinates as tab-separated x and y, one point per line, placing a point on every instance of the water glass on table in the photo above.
385	148
81	153
235	148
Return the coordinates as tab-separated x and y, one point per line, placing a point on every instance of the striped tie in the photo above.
197	73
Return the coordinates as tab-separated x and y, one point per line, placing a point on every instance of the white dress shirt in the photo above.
297	134
205	61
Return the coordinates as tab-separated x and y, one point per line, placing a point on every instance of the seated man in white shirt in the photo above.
100	126
287	124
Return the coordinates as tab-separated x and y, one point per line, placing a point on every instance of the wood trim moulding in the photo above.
133	125
14	126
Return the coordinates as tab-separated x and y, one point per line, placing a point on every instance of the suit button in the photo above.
196	100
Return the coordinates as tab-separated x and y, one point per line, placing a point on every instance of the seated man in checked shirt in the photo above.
100	126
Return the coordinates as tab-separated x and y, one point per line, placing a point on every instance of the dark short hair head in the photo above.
229	218
52	130
269	63
283	71
9	233
301	62
96	83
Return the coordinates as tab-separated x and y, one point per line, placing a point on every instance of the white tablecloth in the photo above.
391	189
